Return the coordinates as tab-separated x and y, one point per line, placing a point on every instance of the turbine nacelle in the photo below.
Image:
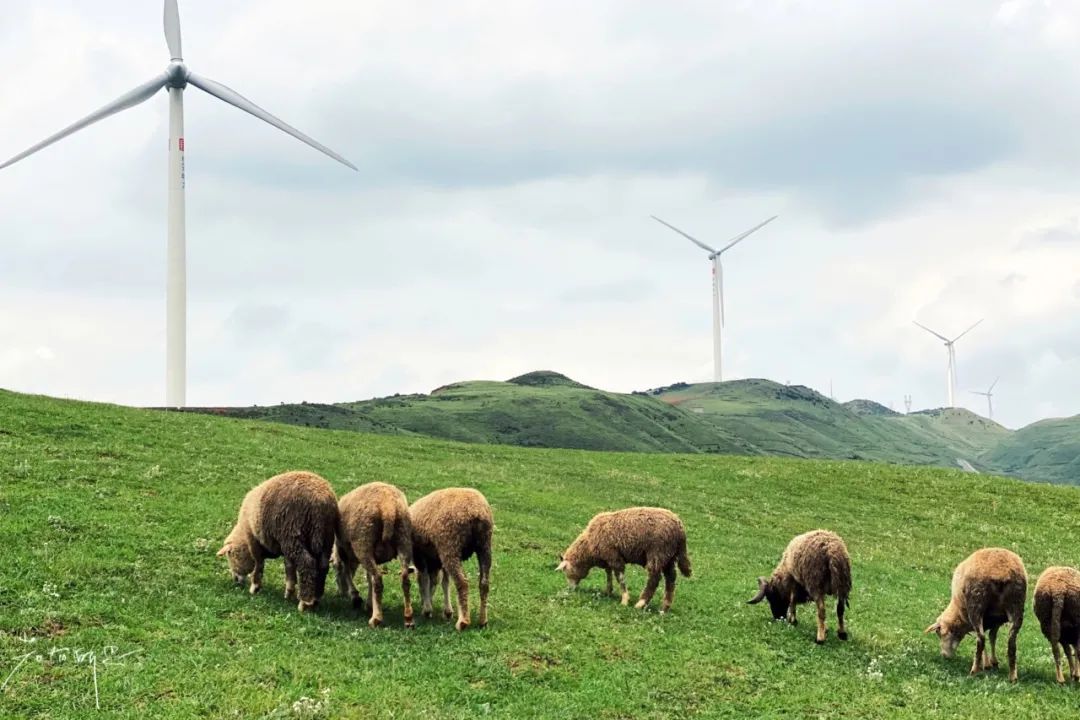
177	74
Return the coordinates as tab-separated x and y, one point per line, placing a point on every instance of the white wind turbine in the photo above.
717	283
950	378
176	78
989	395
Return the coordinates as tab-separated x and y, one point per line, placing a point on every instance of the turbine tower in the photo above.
717	283
989	395
176	78
950	377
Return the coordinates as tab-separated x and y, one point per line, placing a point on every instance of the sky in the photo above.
922	157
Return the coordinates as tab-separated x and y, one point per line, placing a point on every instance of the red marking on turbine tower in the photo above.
181	144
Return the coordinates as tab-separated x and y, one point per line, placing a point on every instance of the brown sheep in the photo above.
651	537
375	529
815	564
293	515
1057	605
989	588
450	526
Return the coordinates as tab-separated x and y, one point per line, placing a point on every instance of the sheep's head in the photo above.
241	562
770	590
950	634
575	572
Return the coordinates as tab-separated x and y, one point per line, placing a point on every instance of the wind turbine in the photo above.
950	378
176	78
989	395
717	283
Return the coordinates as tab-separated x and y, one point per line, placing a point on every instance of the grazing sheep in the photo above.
293	515
450	526
651	537
1057	605
989	588
375	529
815	564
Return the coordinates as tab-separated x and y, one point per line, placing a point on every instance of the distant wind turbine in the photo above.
717	283
176	77
950	377
989	395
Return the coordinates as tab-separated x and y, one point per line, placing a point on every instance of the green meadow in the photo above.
113	604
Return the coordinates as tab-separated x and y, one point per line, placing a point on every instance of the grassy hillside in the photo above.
1047	450
110	517
799	422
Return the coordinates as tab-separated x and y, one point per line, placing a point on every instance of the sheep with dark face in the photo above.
989	589
375	528
293	515
814	565
1057	605
651	537
450	526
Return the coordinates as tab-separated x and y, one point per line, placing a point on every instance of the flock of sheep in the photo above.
297	516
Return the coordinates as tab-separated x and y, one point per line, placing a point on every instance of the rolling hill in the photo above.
744	417
1048	450
110	593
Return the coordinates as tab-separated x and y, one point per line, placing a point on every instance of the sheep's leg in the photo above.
483	559
406	593
290	579
980	646
1073	655
609	586
425	593
375	591
792	604
820	602
312	571
669	588
650	586
447	606
620	575
841	606
256	576
993	661
1015	623
453	568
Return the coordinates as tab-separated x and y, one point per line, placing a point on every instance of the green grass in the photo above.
1048	450
110	517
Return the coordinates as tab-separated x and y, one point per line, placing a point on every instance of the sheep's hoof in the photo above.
304	606
993	663
842	634
409	624
818	642
639	604
426	613
625	601
375	622
448	614
461	625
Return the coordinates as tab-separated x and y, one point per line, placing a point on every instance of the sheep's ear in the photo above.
224	549
561	566
762	584
935	628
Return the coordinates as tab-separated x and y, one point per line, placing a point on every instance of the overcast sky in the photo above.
923	157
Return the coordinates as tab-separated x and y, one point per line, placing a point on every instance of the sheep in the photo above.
375	528
1057	605
450	526
989	588
294	515
651	537
815	564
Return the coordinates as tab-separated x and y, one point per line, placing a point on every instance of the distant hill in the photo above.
1048	450
744	417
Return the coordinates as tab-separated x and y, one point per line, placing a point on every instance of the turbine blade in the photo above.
930	331
172	29
236	99
992	385
691	238
966	331
742	236
140	94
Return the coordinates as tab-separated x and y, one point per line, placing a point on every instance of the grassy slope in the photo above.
110	517
796	421
1047	450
